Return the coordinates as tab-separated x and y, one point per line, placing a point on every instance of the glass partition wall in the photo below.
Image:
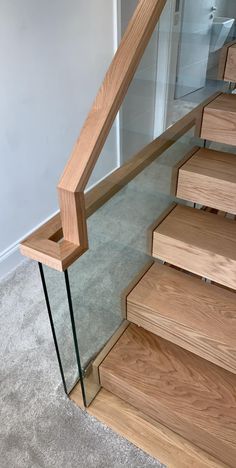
178	71
96	285
179	68
202	28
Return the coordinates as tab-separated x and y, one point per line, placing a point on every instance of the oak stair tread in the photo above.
193	397
227	62
183	309
219	120
230	65
209	178
200	242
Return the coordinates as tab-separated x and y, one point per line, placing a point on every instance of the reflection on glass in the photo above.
118	251
199	31
179	68
177	72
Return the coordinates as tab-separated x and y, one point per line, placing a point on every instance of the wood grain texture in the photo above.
191	396
223	60
200	242
44	251
58	256
104	110
176	168
209	178
201	110
73	217
219	120
110	95
183	309
150	436
230	67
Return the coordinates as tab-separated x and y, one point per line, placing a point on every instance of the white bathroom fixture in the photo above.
221	30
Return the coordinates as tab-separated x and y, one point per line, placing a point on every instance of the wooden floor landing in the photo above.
153	438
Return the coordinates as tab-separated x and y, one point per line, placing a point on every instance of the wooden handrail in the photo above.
46	244
101	117
63	239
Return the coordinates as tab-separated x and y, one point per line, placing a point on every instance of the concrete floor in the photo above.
39	426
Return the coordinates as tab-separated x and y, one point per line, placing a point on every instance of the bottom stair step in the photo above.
193	397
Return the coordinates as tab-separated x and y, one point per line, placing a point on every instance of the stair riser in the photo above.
161	414
207	191
185	393
219	126
230	68
201	262
187	338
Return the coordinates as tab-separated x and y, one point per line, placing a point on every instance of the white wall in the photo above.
221	6
225	8
53	57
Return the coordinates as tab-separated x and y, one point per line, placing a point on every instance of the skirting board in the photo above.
9	260
11	257
153	438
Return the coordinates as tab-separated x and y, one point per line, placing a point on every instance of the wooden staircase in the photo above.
173	364
190	395
176	361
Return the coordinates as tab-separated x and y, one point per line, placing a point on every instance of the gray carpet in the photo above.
39	426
